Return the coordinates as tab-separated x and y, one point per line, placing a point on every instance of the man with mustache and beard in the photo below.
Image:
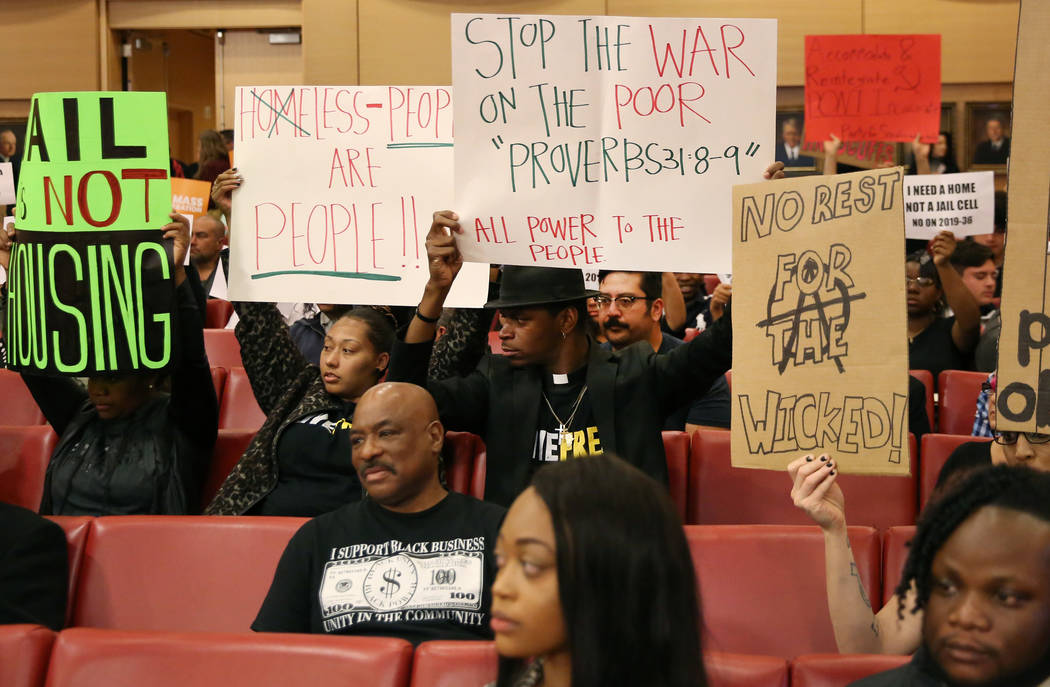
980	567
411	559
630	308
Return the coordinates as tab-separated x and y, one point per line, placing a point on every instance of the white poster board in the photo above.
340	183
609	142
961	203
7	184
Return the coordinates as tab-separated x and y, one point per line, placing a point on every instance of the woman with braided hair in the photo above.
979	572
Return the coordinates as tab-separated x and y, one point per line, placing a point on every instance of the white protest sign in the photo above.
340	183
961	203
608	142
7	184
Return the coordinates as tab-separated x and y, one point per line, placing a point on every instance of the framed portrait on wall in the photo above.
988	129
797	155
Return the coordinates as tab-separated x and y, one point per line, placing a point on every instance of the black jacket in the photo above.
34	569
631	391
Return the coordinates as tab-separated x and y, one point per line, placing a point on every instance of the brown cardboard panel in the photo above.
1023	404
819	353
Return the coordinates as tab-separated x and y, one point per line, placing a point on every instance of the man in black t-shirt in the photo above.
410	560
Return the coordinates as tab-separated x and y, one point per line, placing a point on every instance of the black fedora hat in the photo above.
524	286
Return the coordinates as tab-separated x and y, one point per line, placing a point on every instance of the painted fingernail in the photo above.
830	465
809	458
823	458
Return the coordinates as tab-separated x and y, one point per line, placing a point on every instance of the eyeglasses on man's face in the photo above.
1010	438
918	281
622	302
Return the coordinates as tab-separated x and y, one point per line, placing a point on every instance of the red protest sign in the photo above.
873	88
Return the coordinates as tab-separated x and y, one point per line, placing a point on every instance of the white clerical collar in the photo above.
559	378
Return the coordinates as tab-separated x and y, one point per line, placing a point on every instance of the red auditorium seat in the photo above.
24	455
720	494
935	451
477	480
836	670
958	392
742	670
926	377
218	379
762	587
894	553
24	651
461	448
84	657
179	573
676	448
76	528
238	408
711	282
19	406
454	663
495	345
229	447
218	313
222	348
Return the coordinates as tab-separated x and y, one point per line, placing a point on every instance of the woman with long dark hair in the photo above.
596	586
212	157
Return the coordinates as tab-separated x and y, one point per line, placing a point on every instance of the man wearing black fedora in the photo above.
554	394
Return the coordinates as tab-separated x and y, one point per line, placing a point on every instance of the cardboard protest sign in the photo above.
7	184
818	335
873	88
1023	383
608	142
90	287
340	183
863	154
190	197
961	203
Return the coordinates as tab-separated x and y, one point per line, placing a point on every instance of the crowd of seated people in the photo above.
357	402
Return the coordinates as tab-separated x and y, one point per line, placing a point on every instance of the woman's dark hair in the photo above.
928	269
1019	488
212	147
950	165
625	577
381	324
963	461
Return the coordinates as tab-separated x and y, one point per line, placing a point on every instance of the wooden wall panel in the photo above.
248	59
203	14
978	41
408	41
330	42
795	20
49	45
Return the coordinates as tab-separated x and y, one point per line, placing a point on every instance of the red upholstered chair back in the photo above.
894	553
461	448
179	573
711	282
223	348
720	494
24	455
762	587
98	658
454	663
836	670
742	670
239	409
936	448
19	406
229	447
495	345
676	448
958	391
926	377
218	313
477	480
24	651
76	528
218	379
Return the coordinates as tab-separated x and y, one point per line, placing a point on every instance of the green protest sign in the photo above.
90	287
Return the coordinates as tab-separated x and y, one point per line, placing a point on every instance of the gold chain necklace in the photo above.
563	426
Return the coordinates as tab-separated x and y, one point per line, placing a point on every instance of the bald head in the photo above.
206	242
396	440
8	143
